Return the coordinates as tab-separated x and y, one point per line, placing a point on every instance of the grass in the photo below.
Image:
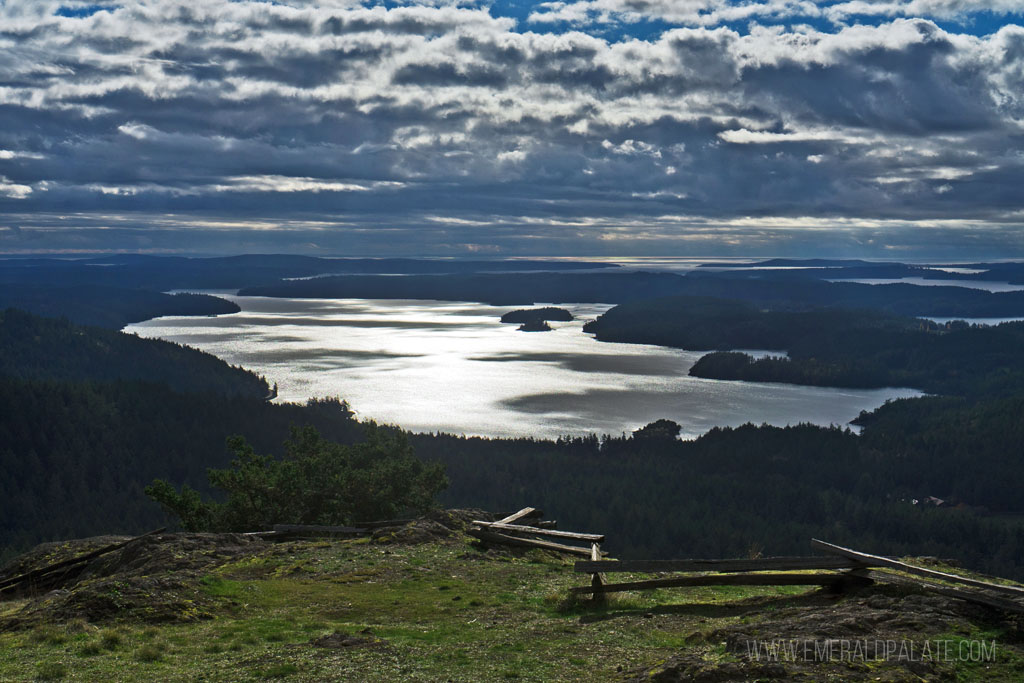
50	671
149	653
443	611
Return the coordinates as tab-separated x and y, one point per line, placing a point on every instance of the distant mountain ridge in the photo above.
115	290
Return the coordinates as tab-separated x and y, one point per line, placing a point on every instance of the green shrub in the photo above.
317	482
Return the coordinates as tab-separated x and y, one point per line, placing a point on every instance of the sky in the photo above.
867	128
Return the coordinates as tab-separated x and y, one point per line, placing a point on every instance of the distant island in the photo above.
535	326
534	315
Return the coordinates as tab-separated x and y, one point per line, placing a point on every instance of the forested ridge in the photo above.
75	456
786	290
33	347
161	273
826	346
737	491
110	307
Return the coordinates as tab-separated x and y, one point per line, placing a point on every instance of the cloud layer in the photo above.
339	124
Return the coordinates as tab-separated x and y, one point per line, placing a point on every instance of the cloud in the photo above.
462	127
938	9
716	12
13	190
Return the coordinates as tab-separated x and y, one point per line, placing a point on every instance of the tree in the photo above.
659	430
317	482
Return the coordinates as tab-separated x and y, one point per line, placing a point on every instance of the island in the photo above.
535	315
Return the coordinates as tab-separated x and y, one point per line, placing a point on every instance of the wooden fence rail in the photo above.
791	579
910	569
505	539
500	526
855	569
725	565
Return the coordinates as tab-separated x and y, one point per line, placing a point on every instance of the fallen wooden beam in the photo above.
727	565
720	580
910	569
380	523
316	529
503	539
501	526
40	573
948	591
525	512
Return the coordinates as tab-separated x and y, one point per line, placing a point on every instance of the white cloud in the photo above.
717	12
14	190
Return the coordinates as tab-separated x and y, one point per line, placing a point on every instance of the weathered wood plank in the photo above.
948	591
525	512
721	580
43	571
380	523
494	537
314	529
726	565
502	526
911	569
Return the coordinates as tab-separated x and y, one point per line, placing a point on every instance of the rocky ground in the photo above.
423	601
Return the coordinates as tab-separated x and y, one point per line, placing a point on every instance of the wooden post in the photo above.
597	580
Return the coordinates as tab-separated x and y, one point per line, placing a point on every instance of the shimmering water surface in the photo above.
433	365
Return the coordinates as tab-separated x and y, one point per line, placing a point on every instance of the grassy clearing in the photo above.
436	611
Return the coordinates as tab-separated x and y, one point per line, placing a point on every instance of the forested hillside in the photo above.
110	307
826	346
75	456
89	416
766	489
32	347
